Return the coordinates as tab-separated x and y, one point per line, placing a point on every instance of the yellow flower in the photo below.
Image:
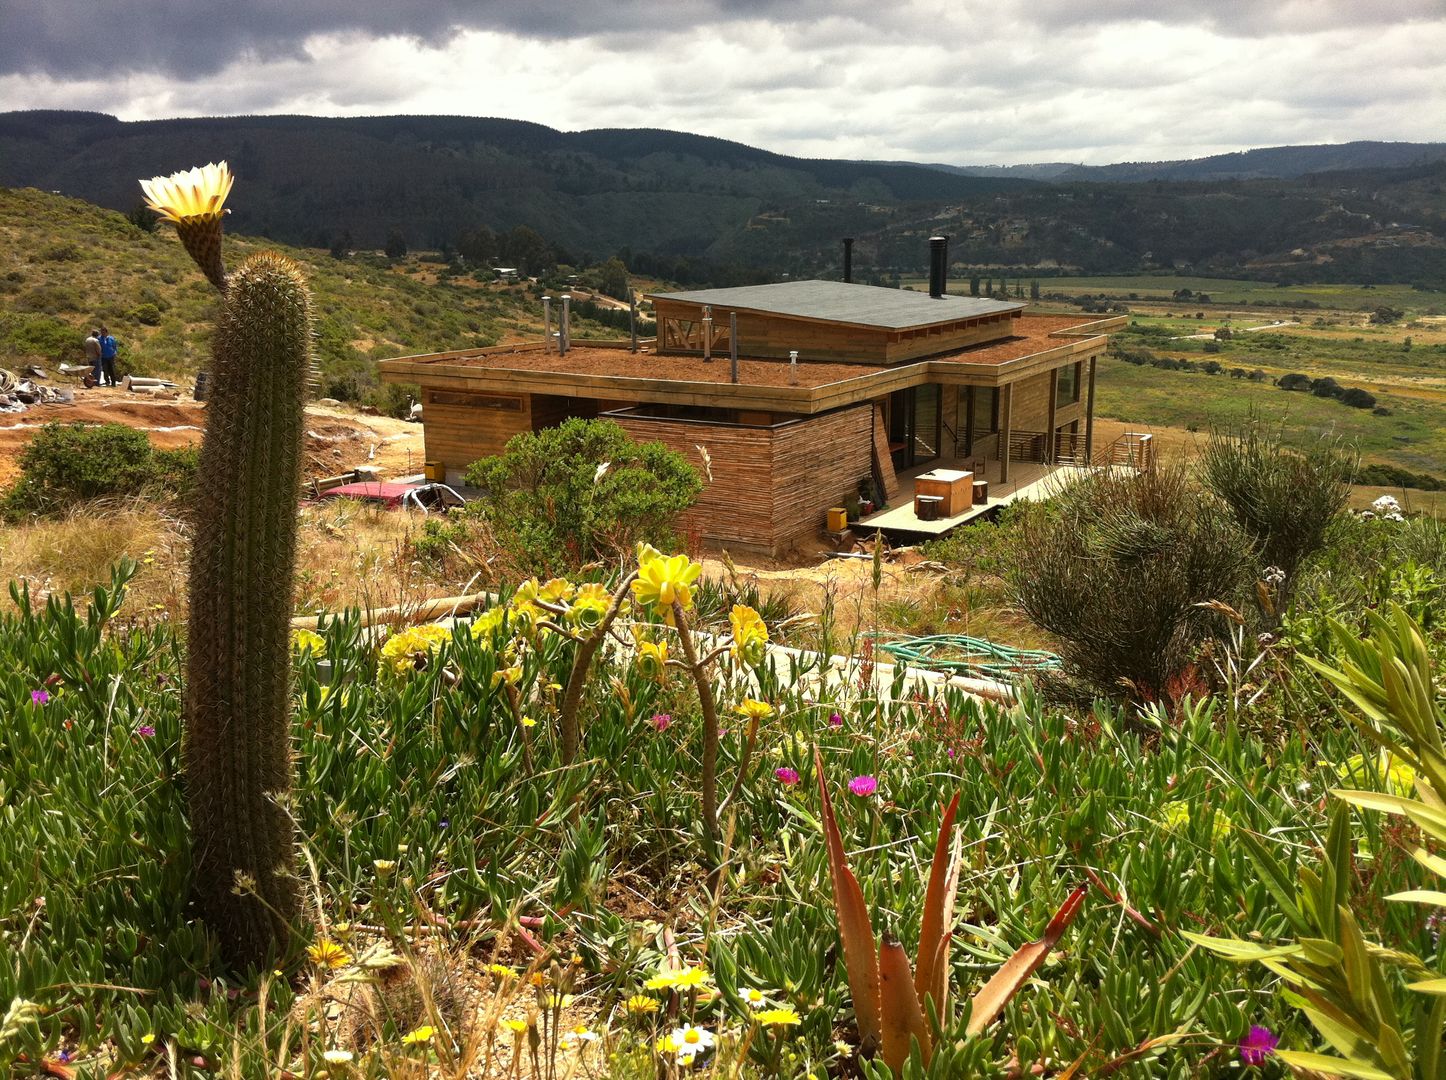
403	651
784	1017
483	625
556	591
750	634
678	980
755	710
422	1034
383	867
1176	814
641	1004
528	722
524	601
517	1027
502	971
1400	778
196	194
590	604
327	954
509	675
305	641
652	659
555	1000
663	580
666	1044
147	1039
337	1057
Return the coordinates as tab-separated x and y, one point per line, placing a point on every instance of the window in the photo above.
1066	388
986	409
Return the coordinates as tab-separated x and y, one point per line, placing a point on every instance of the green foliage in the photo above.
583	490
1118	573
68	464
1283	498
237	754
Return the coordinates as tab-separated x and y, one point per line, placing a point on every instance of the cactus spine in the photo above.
237	748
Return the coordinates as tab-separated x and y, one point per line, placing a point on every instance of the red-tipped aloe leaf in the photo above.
938	899
938	987
901	1015
861	956
1015	971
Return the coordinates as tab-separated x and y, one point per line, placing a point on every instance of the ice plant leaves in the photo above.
1015	971
860	952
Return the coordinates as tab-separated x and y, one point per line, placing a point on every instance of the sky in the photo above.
959	81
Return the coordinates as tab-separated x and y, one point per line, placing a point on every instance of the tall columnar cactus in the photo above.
236	752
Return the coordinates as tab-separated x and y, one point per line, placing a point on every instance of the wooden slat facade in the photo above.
770	487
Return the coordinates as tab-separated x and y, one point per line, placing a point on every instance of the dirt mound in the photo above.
336	439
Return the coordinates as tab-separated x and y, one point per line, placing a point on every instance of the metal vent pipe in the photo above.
547	324
848	245
938	265
564	337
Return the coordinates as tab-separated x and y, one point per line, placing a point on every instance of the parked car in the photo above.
426	497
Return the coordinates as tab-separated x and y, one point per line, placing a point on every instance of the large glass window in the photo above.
926	422
1066	388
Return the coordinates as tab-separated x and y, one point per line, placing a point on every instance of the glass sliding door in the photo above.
925	433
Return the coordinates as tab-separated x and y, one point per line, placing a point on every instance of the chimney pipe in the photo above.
793	367
848	243
938	265
547	324
564	337
733	344
633	320
707	334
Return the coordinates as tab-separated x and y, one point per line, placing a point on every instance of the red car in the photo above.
424	497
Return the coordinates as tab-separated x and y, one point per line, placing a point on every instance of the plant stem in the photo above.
710	740
577	679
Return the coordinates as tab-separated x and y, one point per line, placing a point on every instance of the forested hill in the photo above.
431	177
693	209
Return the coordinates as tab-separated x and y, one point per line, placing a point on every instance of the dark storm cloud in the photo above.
197	37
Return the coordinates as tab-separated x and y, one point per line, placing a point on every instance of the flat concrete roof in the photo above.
846	304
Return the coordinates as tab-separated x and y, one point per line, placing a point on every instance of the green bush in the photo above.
1283	498
1118	573
147	314
554	505
66	464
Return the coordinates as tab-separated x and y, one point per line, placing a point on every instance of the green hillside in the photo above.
65	265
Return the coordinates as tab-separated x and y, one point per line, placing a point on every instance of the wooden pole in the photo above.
1005	430
1090	416
633	319
1050	450
733	345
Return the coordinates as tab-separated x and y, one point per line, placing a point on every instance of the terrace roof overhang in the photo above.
488	371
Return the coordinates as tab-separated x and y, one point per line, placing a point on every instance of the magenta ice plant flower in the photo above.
40	697
863	786
786	776
1259	1043
835	720
662	720
145	731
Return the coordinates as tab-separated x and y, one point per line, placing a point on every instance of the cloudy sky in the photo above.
962	81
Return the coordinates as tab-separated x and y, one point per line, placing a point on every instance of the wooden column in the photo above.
1090	416
1005	426
1050	449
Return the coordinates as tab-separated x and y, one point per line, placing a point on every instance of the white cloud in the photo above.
968	82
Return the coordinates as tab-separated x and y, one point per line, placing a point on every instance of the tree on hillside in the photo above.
478	246
525	249
396	244
341	245
612	279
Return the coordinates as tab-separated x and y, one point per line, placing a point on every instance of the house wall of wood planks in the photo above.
771	486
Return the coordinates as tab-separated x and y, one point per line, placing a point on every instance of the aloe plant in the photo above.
1337	976
890	1002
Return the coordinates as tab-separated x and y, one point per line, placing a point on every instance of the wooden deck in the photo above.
1028	480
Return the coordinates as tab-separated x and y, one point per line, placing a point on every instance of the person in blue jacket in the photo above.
108	349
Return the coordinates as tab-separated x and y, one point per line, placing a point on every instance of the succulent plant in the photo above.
236	751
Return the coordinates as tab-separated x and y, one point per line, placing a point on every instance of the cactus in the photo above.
236	749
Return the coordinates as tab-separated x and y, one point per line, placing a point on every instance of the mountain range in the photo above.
694	204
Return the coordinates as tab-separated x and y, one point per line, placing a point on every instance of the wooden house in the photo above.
839	391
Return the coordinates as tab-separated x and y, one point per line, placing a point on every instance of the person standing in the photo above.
92	356
108	349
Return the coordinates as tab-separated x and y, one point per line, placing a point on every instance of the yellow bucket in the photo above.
838	519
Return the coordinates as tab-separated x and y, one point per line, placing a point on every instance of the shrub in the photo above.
570	494
1294	381
1284	499
67	464
1326	387
1357	398
146	314
1118	574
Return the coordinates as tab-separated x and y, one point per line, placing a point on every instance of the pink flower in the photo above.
40	697
1259	1043
787	777
145	731
662	720
835	720
863	785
